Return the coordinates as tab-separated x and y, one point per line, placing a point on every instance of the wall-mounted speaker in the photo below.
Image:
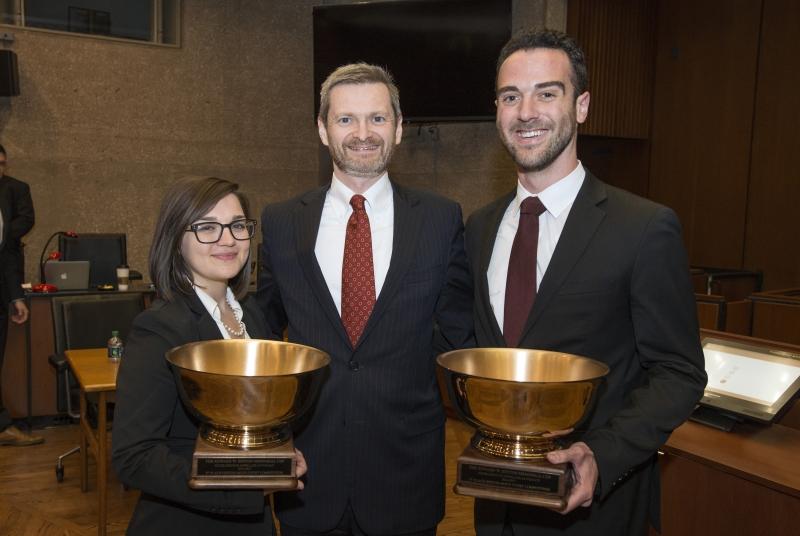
9	74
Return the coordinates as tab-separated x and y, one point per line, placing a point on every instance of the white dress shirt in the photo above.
213	309
329	248
557	200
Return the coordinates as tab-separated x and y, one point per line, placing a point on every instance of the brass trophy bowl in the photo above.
245	393
520	401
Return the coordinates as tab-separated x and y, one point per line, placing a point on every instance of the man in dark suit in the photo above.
604	275
375	274
16	219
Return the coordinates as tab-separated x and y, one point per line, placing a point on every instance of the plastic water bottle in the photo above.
115	346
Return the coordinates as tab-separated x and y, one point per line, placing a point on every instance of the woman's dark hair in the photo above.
185	202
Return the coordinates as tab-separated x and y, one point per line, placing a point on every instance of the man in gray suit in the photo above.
604	275
375	274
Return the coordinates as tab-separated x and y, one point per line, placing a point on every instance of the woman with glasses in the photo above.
200	266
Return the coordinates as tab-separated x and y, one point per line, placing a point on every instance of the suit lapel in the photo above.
5	208
256	327
584	218
487	241
407	225
306	225
207	328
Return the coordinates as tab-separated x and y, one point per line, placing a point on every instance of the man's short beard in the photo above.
363	169
544	160
566	131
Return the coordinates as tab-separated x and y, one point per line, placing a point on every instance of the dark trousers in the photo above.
348	526
5	418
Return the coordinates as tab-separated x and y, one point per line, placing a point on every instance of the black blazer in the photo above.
375	438
617	289
16	206
154	435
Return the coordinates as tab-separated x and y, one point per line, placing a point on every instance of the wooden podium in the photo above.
744	482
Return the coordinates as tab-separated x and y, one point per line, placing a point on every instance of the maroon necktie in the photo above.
521	281
358	273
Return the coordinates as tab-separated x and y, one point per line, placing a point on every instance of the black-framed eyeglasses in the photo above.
208	232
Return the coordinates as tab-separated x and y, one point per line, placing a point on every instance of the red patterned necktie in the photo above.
521	281
358	273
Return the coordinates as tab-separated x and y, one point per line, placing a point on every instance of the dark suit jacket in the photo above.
154	435
376	435
16	206
617	289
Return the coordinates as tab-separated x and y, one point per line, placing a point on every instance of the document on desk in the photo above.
748	378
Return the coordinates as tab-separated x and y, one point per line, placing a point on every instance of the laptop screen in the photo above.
67	275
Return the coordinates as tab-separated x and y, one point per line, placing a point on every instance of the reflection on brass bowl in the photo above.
520	400
245	392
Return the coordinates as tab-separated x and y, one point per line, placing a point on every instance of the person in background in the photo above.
200	266
565	262
16	219
375	275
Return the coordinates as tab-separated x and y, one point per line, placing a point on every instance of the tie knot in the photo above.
532	205
357	202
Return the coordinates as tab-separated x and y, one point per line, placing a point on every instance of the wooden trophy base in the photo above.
221	468
537	483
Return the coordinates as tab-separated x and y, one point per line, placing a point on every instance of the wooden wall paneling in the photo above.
776	321
739	317
15	388
617	38
772	232
711	311
43	374
705	75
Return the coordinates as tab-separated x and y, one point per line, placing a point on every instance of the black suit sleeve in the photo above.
268	295
23	218
153	436
667	346
453	315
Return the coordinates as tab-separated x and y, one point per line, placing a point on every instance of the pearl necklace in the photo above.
234	332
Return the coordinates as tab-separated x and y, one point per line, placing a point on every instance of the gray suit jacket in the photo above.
375	438
617	289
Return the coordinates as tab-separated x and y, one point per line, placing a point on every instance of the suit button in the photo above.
354	365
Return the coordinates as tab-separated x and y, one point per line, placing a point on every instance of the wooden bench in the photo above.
715	312
776	315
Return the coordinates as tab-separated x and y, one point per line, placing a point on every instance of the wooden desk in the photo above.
29	380
744	482
95	374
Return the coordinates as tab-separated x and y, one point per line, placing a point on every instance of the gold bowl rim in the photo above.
605	368
326	358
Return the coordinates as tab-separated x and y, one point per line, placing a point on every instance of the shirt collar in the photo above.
213	308
378	197
558	196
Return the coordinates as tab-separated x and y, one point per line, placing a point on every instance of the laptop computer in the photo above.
67	275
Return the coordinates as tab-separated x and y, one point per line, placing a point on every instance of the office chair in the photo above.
86	321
